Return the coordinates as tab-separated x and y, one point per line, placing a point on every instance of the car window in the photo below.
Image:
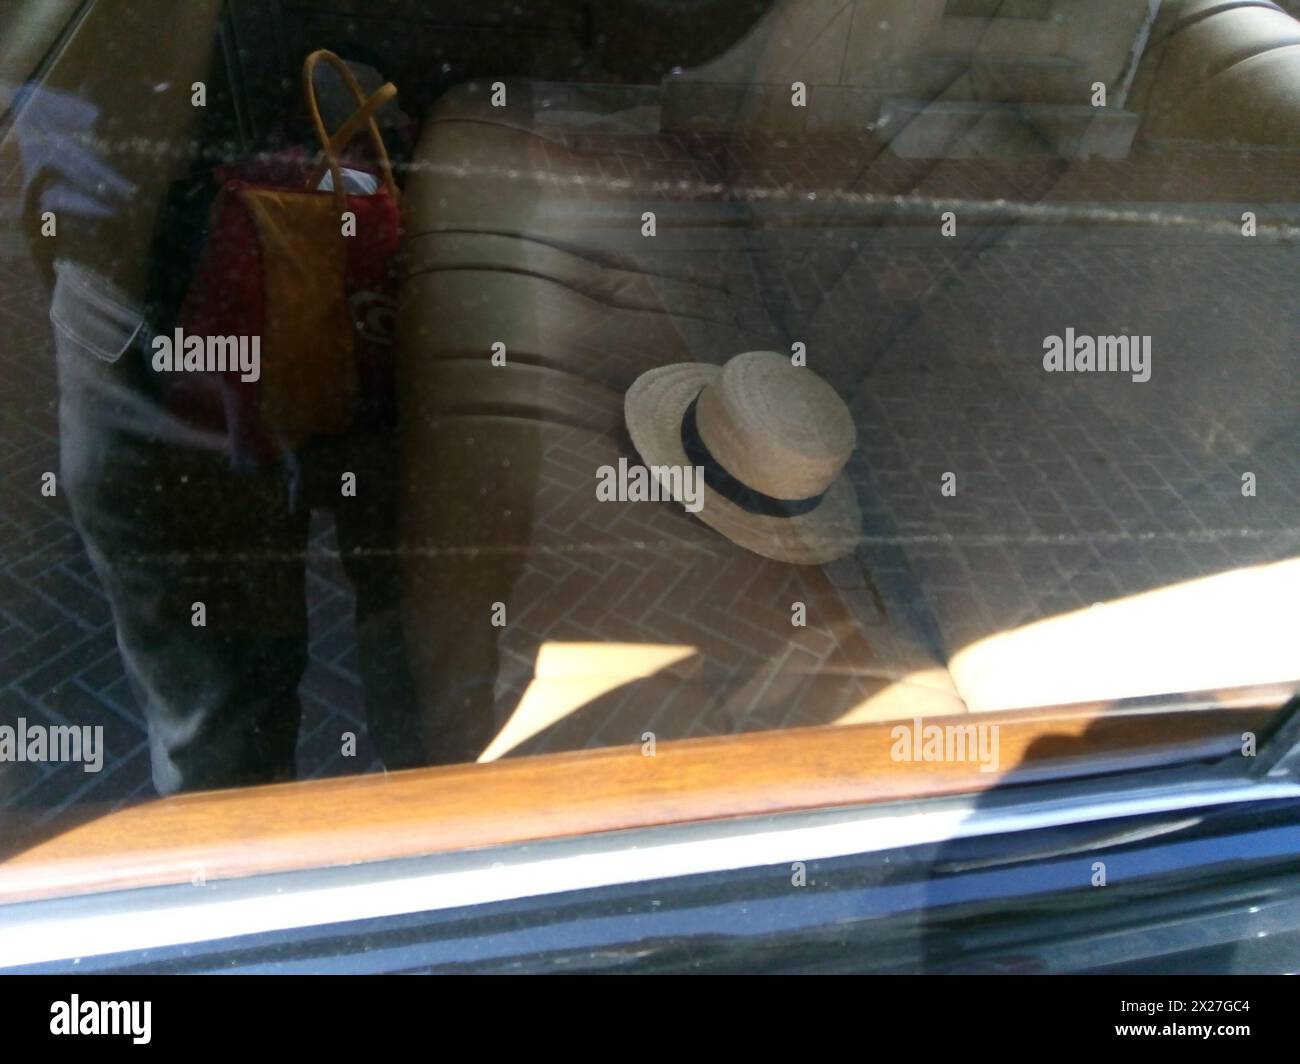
396	386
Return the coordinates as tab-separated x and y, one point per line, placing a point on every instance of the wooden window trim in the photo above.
349	820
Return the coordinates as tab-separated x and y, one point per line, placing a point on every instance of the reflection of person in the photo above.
203	564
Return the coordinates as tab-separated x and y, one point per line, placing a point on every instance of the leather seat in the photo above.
508	244
524	229
1221	70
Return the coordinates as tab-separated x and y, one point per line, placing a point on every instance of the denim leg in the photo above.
203	567
367	534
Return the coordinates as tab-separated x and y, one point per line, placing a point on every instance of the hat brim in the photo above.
654	407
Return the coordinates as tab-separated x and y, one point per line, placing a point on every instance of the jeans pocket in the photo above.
91	316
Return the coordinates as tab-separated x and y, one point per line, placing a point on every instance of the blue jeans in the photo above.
169	524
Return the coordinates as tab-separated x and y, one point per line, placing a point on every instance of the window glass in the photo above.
412	383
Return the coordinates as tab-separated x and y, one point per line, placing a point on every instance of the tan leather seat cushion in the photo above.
1222	71
1230	630
523	233
622	617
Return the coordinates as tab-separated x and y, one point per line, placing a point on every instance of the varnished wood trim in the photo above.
224	834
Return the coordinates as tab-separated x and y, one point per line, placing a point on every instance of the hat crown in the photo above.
777	427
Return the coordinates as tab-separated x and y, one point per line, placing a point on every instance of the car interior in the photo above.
912	199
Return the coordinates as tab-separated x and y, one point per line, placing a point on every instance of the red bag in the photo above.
287	328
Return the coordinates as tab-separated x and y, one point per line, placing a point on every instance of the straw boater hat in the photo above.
772	439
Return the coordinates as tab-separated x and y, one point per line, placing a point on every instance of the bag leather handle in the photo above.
362	117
